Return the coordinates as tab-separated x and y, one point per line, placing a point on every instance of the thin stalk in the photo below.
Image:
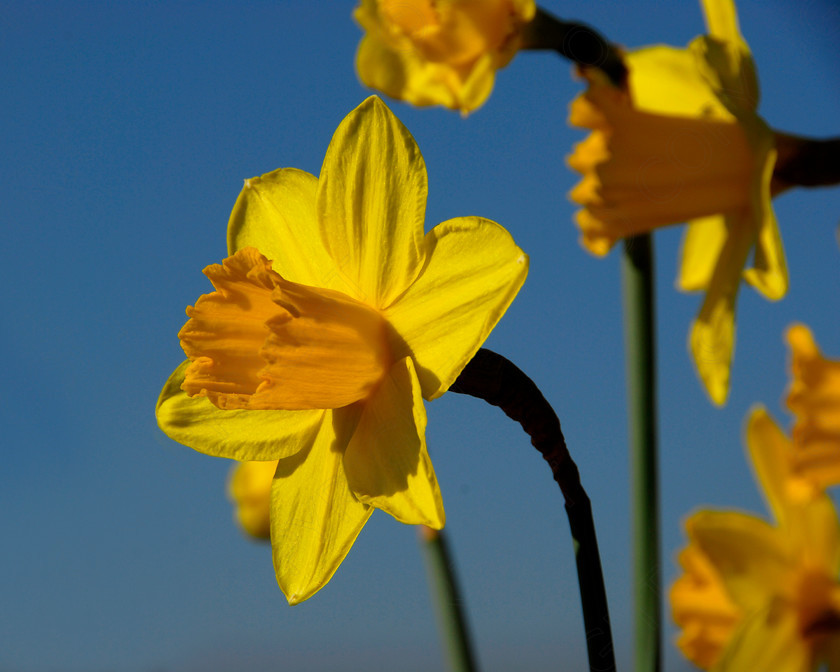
452	620
639	321
497	381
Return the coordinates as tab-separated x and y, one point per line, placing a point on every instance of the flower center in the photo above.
262	342
819	606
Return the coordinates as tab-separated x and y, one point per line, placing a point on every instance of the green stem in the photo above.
639	321
499	382
451	618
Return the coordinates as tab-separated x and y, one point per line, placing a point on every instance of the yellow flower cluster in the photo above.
762	596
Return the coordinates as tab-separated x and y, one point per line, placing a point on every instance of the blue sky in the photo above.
126	131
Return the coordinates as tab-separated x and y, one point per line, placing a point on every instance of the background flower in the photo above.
781	579
685	144
438	53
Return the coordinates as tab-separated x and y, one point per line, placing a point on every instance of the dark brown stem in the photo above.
499	382
806	162
577	42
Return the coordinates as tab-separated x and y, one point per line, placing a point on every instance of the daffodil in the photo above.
758	595
814	400
249	488
331	321
439	52
684	144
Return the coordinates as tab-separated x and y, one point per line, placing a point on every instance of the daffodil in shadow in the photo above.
814	399
756	595
439	53
684	144
330	323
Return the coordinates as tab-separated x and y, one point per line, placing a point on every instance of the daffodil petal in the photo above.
701	245
770	453
249	488
749	555
314	517
767	639
769	274
371	203
275	213
722	19
712	339
666	80
386	461
236	434
473	272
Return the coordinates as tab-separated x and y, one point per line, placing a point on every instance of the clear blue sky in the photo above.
126	129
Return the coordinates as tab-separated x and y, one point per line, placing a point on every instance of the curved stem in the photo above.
577	42
499	382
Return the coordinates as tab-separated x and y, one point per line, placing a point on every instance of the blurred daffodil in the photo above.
684	144
249	488
443	52
814	400
761	596
333	318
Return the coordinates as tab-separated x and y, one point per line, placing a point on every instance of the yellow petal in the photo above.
665	80
275	214
402	75
814	399
386	461
249	488
750	556
701	245
768	639
702	609
371	203
314	517
722	19
772	459
769	274
474	271
236	434
712	339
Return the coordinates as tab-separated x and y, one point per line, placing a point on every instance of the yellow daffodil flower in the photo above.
438	53
333	318
249	488
814	400
684	144
761	596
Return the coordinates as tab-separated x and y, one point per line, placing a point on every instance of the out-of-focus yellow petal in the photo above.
386	461
473	272
769	274
314	517
275	214
402	75
750	556
249	488
236	434
665	80
773	461
768	639
712	338
371	203
722	19
814	399
702	243
702	609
